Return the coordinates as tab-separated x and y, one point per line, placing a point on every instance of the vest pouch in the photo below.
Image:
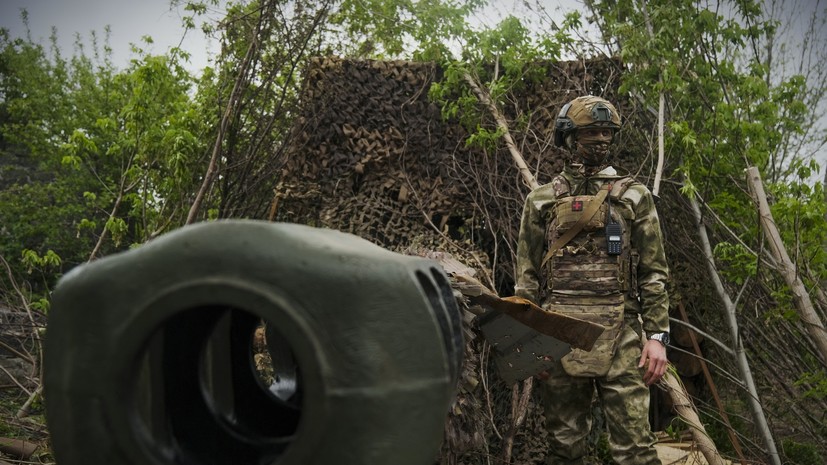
569	209
606	311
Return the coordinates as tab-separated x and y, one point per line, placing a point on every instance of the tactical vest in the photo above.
583	277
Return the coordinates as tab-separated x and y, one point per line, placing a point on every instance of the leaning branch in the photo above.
812	322
483	97
741	356
519	402
685	409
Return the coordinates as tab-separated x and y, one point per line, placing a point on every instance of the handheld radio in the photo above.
614	233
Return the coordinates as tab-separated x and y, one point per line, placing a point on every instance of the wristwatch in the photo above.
663	338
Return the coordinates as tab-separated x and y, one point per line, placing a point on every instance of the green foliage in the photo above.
421	29
739	262
32	260
799	211
502	60
726	114
485	139
457	100
111	153
814	383
801	454
40	217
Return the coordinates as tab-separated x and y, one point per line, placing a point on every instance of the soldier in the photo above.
590	246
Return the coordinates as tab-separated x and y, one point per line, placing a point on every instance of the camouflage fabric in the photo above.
634	281
597	361
625	401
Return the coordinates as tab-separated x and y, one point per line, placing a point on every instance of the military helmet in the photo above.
582	112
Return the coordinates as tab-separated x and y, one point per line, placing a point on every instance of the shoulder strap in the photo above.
588	214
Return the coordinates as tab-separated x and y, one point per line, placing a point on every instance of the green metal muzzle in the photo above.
153	356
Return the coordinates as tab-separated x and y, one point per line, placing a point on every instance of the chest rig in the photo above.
589	267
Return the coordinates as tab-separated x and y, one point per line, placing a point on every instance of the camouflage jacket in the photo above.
636	205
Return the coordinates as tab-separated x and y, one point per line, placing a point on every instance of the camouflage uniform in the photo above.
619	299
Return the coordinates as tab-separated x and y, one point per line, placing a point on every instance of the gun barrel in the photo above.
153	356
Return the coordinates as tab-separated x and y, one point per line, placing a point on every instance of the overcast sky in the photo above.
129	21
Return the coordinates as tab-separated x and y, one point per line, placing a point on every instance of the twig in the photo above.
519	407
24	409
14	380
11	349
715	341
484	378
25	302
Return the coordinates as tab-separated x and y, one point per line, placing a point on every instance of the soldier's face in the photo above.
592	145
594	135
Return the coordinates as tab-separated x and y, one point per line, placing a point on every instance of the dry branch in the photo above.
686	410
503	125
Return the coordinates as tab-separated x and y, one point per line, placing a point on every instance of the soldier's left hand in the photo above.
654	359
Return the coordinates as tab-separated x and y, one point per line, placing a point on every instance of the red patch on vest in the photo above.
577	206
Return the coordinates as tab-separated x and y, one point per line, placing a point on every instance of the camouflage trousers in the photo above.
624	399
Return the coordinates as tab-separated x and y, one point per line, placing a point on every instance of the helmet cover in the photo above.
582	112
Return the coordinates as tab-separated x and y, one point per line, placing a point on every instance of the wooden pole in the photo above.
733	438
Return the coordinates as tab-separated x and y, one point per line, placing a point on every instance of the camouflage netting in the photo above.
373	156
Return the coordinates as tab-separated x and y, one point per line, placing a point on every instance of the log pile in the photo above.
372	155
